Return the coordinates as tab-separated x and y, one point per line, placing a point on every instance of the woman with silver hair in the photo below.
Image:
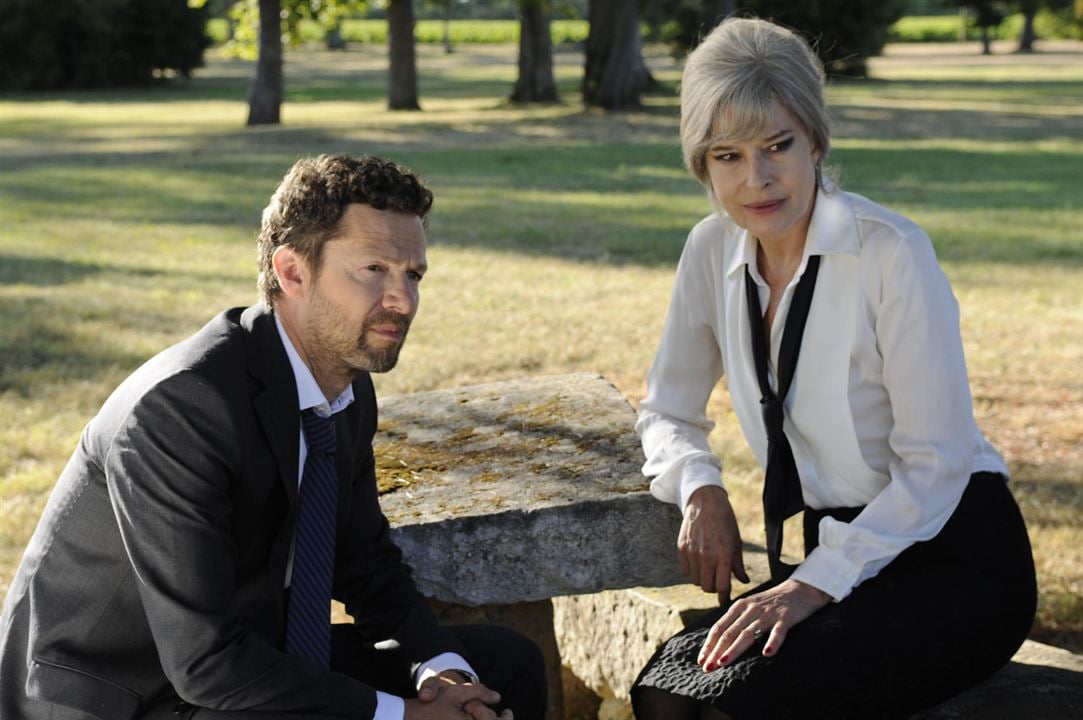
918	579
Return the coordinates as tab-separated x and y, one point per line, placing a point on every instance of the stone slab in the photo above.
522	490
1040	683
606	638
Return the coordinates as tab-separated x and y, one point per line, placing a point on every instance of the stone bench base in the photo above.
605	639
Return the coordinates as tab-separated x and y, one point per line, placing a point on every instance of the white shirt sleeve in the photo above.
932	440
440	663
673	424
389	707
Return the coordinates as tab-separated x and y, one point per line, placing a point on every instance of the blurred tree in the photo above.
986	15
687	22
97	43
615	72
715	11
265	91
845	33
402	76
445	11
535	83
1029	9
260	27
1027	36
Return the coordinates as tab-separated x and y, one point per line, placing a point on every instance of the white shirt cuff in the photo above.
440	663
389	707
695	475
830	571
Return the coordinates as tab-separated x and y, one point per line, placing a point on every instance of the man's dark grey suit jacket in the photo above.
157	569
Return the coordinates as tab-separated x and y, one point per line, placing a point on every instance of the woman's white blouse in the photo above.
879	412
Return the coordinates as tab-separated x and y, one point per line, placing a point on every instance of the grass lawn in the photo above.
128	220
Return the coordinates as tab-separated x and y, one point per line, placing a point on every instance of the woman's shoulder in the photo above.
715	233
876	222
894	248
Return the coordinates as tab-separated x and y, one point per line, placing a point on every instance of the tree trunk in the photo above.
1028	36
335	41
615	72
448	49
402	77
715	11
265	93
986	41
535	83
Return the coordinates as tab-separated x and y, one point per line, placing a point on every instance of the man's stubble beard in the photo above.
381	360
330	350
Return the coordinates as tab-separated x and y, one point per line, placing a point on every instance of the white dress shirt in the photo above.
879	412
309	395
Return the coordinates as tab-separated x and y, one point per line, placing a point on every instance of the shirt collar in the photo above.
832	231
309	394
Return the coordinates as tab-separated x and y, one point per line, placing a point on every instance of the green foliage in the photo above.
946	28
302	21
843	32
463	32
926	28
97	43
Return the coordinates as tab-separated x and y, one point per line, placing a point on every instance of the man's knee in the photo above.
509	663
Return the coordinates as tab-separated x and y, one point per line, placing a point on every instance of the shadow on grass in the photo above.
38	346
44	272
612	202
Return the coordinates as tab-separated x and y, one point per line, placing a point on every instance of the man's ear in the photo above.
291	271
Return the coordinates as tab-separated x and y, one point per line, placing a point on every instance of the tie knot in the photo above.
772	414
319	432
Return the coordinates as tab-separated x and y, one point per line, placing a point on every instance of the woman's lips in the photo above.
764	208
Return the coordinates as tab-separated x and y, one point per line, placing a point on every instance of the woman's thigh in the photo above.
941	617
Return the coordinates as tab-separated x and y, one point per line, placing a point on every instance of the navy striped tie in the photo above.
308	624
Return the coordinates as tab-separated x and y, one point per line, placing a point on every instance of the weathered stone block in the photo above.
1040	683
522	490
606	638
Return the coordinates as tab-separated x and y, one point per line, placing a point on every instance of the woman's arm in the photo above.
933	434
673	424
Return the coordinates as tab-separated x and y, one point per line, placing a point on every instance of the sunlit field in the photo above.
127	220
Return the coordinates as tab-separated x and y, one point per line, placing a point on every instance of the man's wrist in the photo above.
465	676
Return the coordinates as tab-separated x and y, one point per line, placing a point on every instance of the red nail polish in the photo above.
721	661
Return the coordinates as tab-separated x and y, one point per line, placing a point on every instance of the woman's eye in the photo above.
725	156
781	146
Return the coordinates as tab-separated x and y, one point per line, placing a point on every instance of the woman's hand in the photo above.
709	544
772	611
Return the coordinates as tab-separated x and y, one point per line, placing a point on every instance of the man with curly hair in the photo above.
225	493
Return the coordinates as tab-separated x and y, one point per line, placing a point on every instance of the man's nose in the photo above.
400	295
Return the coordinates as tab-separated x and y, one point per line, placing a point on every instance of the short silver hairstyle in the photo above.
732	79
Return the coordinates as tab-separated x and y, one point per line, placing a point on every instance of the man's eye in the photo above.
374	268
414	275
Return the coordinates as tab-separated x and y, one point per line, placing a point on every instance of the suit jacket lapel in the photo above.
275	404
